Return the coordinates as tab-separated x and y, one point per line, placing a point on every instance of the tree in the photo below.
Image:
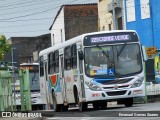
5	48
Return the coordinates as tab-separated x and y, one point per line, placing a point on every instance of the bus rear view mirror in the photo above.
144	53
80	54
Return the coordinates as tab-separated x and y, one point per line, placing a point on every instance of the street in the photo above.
149	111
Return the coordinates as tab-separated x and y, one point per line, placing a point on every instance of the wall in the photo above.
25	46
142	16
104	18
80	19
57	30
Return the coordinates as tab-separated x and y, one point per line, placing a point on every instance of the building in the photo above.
26	49
143	16
73	20
110	15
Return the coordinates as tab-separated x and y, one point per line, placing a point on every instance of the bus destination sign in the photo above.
110	38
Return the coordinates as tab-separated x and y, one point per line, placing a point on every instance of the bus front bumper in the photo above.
116	94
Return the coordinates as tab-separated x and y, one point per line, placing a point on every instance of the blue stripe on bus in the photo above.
103	80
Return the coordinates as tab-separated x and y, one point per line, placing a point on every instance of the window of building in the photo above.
61	36
120	26
109	27
53	41
103	28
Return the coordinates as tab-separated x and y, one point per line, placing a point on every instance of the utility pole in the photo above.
113	15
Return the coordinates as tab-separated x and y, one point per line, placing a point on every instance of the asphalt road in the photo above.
149	111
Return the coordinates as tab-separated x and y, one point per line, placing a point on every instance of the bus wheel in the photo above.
103	104
65	108
82	106
128	102
96	105
57	108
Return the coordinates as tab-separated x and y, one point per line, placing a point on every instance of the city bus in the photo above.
93	68
36	100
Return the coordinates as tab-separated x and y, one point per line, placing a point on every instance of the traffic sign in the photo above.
151	50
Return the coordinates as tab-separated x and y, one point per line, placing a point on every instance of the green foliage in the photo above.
4	47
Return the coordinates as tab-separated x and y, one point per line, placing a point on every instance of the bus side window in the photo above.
67	58
56	62
41	66
74	56
51	63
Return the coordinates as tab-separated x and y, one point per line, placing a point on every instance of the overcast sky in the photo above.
21	18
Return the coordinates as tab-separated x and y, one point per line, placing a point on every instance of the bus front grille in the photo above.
113	87
121	81
114	93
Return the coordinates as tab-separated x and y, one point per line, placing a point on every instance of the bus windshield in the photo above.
113	60
34	80
33	76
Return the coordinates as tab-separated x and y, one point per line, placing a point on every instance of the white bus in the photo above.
36	99
95	68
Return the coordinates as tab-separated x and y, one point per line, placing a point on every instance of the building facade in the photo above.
143	16
110	15
26	49
74	20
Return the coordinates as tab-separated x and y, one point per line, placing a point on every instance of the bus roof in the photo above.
78	39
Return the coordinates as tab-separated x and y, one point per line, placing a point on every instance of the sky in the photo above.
30	18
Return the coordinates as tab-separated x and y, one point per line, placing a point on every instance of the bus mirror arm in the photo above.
80	55
144	53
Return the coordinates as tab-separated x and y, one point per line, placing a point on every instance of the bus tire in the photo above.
96	105
65	108
82	105
103	104
56	107
75	94
128	102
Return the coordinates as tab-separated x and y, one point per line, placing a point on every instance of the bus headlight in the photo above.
93	86
137	83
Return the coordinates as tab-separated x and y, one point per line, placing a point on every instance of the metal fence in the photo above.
7	91
6	101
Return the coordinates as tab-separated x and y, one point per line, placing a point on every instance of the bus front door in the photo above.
81	87
62	81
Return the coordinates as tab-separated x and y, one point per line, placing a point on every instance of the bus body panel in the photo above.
55	83
69	77
117	91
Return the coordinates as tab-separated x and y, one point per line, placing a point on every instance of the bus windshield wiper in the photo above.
122	48
102	51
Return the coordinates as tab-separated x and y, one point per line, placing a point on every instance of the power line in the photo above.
12	3
26	31
30	19
3	14
42	23
33	13
27	20
29	14
23	5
